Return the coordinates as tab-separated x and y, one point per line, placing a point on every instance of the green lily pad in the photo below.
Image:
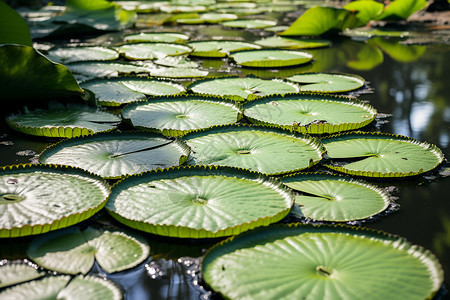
14	273
219	48
241	89
334	198
214	18
37	199
64	287
291	43
374	32
249	24
321	262
115	92
142	51
178	73
68	55
310	113
176	116
176	61
199	201
64	121
270	58
73	250
165	37
173	9
327	82
381	155
106	69
112	155
263	149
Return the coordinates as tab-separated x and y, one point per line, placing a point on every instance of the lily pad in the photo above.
249	24
68	55
176	116
178	73
73	250
143	51
374	32
165	37
327	82
176	61
263	149
64	121
334	198
219	48
270	58
310	113
37	199
199	201
112	155
14	273
241	89
320	262
291	43
106	69
381	155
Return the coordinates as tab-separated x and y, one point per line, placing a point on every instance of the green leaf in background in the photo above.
219	48
364	56
291	43
72	54
14	273
73	250
28	75
199	201
13	28
321	262
270	58
367	10
398	51
327	82
401	9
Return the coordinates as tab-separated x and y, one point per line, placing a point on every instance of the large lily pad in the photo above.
219	48
142	51
263	149
310	113
14	273
381	155
324	262
291	43
270	58
68	55
199	201
73	250
241	89
327	197
107	69
37	199
327	82
176	116
112	155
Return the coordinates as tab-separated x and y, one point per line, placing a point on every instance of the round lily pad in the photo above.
249	24
142	51
112	155
240	89
178	72
219	48
176	116
176	61
13	273
165	37
320	262
270	58
334	198
35	199
310	113
199	201
263	149
381	154
67	55
327	82
106	69
64	121
291	43
73	250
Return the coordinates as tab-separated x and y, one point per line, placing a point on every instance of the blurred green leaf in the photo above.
13	29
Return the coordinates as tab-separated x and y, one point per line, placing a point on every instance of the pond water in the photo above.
408	84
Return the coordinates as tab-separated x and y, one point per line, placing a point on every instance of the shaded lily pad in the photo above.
241	89
310	113
165	37
63	121
327	82
219	48
17	34
381	154
176	116
267	150
37	199
320	262
14	273
106	69
334	198
270	58
73	250
112	155
249	24
291	43
68	55
142	51
199	201
373	32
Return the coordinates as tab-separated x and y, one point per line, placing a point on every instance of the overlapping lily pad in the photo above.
38	199
219	48
107	69
381	154
249	24
142	51
334	198
291	43
263	149
68	55
112	155
310	113
270	58
320	262
199	201
176	116
14	273
166	37
327	82
211	18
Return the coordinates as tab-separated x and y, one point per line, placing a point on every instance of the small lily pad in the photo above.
270	58
165	37
249	24
14	273
68	55
291	43
219	48
327	82
143	51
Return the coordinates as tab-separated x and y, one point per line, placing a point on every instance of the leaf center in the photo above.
243	151
323	271
181	116
199	200
11	198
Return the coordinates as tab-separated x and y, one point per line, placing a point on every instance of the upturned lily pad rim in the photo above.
329	73
64	221
303	58
197	170
381	135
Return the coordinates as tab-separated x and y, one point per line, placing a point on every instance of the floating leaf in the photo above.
178	72
214	18
73	250
37	199
14	273
310	113
320	262
219	48
374	32
13	28
241	89
165	37
68	55
176	116
199	201
334	198
290	43
142	51
270	58
250	23
381	155
106	69
263	149
112	155
401	9
176	61
327	82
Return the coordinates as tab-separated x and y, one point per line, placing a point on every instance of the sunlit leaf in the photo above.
270	58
